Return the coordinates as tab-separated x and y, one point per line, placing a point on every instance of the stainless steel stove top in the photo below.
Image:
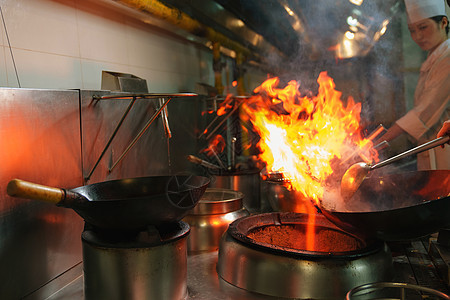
412	264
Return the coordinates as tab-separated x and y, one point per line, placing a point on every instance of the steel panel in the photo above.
153	154
40	142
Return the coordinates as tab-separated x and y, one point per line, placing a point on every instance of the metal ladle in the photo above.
356	174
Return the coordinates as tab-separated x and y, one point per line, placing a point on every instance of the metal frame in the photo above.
161	110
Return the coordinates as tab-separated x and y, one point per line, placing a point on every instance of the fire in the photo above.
215	146
226	106
306	137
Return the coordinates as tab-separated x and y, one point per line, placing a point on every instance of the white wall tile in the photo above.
3	74
68	43
11	77
102	38
44	70
2	33
92	72
42	25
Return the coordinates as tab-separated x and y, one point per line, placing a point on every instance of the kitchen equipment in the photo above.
122	204
247	182
396	206
277	196
210	218
265	254
355	175
146	264
201	162
388	290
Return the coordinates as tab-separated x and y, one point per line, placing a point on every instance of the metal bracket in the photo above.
133	98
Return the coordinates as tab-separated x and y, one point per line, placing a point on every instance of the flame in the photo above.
304	137
226	105
215	146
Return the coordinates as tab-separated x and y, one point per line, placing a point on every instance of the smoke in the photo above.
359	66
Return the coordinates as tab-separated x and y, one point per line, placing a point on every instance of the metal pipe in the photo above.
372	136
233	154
202	162
209	125
145	96
223	120
419	149
165	119
217	158
379	130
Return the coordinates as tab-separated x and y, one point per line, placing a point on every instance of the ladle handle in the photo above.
429	145
29	190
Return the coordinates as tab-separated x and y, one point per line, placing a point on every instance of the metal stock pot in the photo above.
210	218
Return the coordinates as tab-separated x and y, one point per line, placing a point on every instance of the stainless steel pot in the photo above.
247	182
277	197
210	218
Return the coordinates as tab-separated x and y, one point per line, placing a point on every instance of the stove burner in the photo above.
286	234
150	236
265	254
144	264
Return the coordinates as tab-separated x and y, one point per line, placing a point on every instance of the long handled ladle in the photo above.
355	175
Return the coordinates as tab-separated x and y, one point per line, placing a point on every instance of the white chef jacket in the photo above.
431	108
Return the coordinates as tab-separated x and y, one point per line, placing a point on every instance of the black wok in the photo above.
398	206
123	204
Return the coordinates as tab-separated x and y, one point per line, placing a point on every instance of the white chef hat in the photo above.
422	9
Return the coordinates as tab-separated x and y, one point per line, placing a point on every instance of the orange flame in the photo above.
303	137
225	106
215	146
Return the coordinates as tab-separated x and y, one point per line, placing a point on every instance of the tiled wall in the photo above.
65	44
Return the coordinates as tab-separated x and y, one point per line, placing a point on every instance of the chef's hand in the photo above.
445	130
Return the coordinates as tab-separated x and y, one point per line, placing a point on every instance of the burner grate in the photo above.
413	264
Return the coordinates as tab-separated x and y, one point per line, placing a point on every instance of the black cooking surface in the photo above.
413	264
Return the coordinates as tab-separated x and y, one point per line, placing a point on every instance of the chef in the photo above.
428	25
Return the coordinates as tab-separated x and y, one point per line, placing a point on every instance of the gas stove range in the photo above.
412	264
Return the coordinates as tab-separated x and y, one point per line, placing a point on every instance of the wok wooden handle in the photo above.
29	190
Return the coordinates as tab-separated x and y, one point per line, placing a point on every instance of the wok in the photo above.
402	206
125	204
